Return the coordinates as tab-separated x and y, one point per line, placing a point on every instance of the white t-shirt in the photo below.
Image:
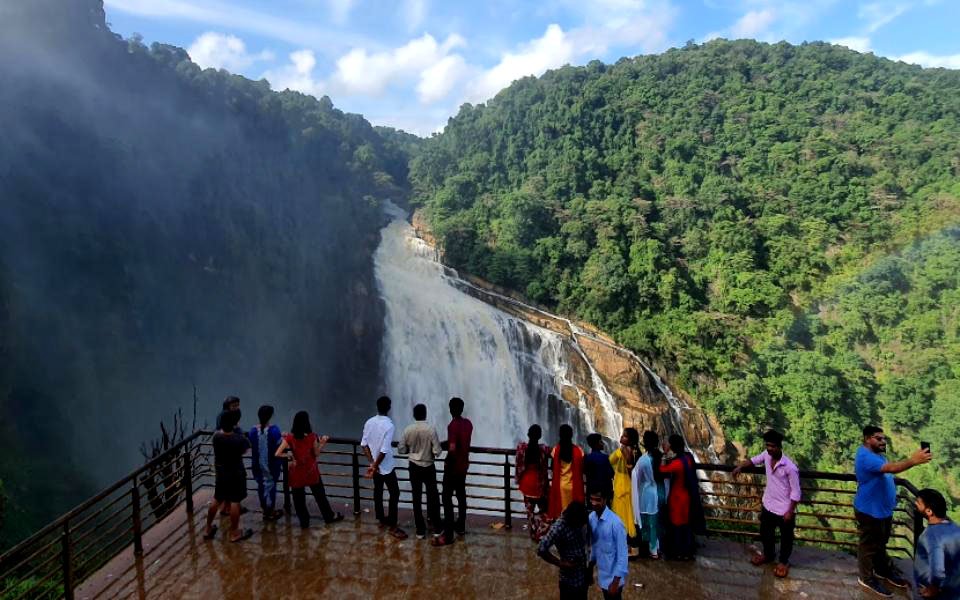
378	436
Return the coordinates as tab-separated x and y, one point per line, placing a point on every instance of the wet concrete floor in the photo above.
355	559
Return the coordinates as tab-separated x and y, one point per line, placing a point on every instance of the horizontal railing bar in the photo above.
36	584
88	533
88	518
106	546
100	537
30	573
36	553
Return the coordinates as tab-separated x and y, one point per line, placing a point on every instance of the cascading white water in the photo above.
441	342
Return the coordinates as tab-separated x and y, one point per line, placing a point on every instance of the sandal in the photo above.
210	536
246	535
758	560
781	570
337	517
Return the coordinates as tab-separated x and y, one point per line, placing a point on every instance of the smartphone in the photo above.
924	445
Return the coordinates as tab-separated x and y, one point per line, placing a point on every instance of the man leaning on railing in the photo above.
873	507
936	567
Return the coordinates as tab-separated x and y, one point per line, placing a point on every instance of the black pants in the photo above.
390	479
872	550
682	546
420	478
300	503
608	596
569	592
769	522
454	483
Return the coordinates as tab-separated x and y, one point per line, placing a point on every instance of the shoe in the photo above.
441	541
421	536
895	579
873	584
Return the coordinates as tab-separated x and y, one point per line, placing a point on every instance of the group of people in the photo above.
301	447
596	509
653	492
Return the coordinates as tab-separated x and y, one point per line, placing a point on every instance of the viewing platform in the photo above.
355	559
143	538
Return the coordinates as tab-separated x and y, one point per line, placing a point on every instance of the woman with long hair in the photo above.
305	446
646	492
683	502
622	460
567	484
531	477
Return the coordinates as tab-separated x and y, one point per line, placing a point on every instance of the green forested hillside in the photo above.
163	226
770	221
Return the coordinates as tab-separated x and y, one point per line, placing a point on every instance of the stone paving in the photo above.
355	559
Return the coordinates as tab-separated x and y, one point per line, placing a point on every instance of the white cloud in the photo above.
223	51
340	10
878	14
231	17
414	12
860	44
553	49
753	24
925	59
631	25
439	79
360	72
297	75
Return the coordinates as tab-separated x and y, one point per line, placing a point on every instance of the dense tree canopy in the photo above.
767	219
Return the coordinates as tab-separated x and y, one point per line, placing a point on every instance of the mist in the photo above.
164	228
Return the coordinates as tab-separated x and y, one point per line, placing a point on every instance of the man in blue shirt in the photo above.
873	507
608	547
936	567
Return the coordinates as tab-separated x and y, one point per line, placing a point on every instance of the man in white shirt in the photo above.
377	443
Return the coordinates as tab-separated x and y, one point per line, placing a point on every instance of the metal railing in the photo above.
51	562
825	515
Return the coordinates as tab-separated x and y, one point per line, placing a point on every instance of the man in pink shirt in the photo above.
780	498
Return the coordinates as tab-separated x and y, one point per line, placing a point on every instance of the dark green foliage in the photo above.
726	208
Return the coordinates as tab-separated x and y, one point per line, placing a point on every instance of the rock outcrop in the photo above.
639	398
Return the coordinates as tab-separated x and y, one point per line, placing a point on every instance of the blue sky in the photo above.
412	63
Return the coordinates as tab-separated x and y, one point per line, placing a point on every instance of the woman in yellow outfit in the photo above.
622	461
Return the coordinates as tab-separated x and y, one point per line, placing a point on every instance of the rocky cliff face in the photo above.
641	400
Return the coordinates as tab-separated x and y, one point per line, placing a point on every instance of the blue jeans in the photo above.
267	491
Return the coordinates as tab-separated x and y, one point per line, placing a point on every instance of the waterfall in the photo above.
441	342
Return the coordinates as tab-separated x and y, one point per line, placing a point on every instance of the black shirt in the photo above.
228	450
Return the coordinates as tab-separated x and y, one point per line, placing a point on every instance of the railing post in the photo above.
137	526
356	481
67	556
507	513
286	486
188	478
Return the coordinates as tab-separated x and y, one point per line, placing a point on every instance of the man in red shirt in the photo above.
455	468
